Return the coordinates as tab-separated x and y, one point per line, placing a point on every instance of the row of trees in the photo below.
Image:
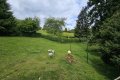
9	25
101	18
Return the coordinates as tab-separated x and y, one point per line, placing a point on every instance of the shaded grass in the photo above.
26	58
104	69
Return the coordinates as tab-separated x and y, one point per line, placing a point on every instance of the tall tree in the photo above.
54	26
82	26
100	10
7	21
105	18
109	38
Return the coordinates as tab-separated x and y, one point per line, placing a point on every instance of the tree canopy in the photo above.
54	25
82	25
100	10
104	20
28	26
109	38
7	21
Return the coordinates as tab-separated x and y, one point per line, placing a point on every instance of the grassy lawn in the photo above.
43	32
66	34
26	58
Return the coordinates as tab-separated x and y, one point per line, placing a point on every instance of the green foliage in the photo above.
54	26
100	10
104	18
116	60
65	30
60	39
82	26
40	28
28	26
109	37
7	21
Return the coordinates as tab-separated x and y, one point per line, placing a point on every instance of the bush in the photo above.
28	26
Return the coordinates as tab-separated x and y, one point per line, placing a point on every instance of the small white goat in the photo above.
51	53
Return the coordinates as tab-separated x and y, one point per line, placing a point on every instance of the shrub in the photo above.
28	26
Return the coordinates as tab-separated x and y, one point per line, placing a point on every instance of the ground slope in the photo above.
26	58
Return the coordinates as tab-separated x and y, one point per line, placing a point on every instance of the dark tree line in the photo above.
9	25
7	20
102	17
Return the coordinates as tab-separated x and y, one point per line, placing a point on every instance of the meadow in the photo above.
26	58
64	34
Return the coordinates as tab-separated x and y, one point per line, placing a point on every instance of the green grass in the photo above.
43	32
26	58
64	34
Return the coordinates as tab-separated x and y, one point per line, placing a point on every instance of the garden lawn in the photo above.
26	58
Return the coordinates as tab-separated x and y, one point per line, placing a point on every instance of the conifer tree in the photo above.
7	21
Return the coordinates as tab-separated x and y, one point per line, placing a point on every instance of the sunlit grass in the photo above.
26	58
65	34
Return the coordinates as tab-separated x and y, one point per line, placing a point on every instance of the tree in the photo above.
7	21
28	26
82	26
104	19
54	26
109	38
100	10
65	30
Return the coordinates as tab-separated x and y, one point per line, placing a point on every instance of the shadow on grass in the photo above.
94	52
110	72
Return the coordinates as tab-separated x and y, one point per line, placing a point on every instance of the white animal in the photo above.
51	53
49	50
69	52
